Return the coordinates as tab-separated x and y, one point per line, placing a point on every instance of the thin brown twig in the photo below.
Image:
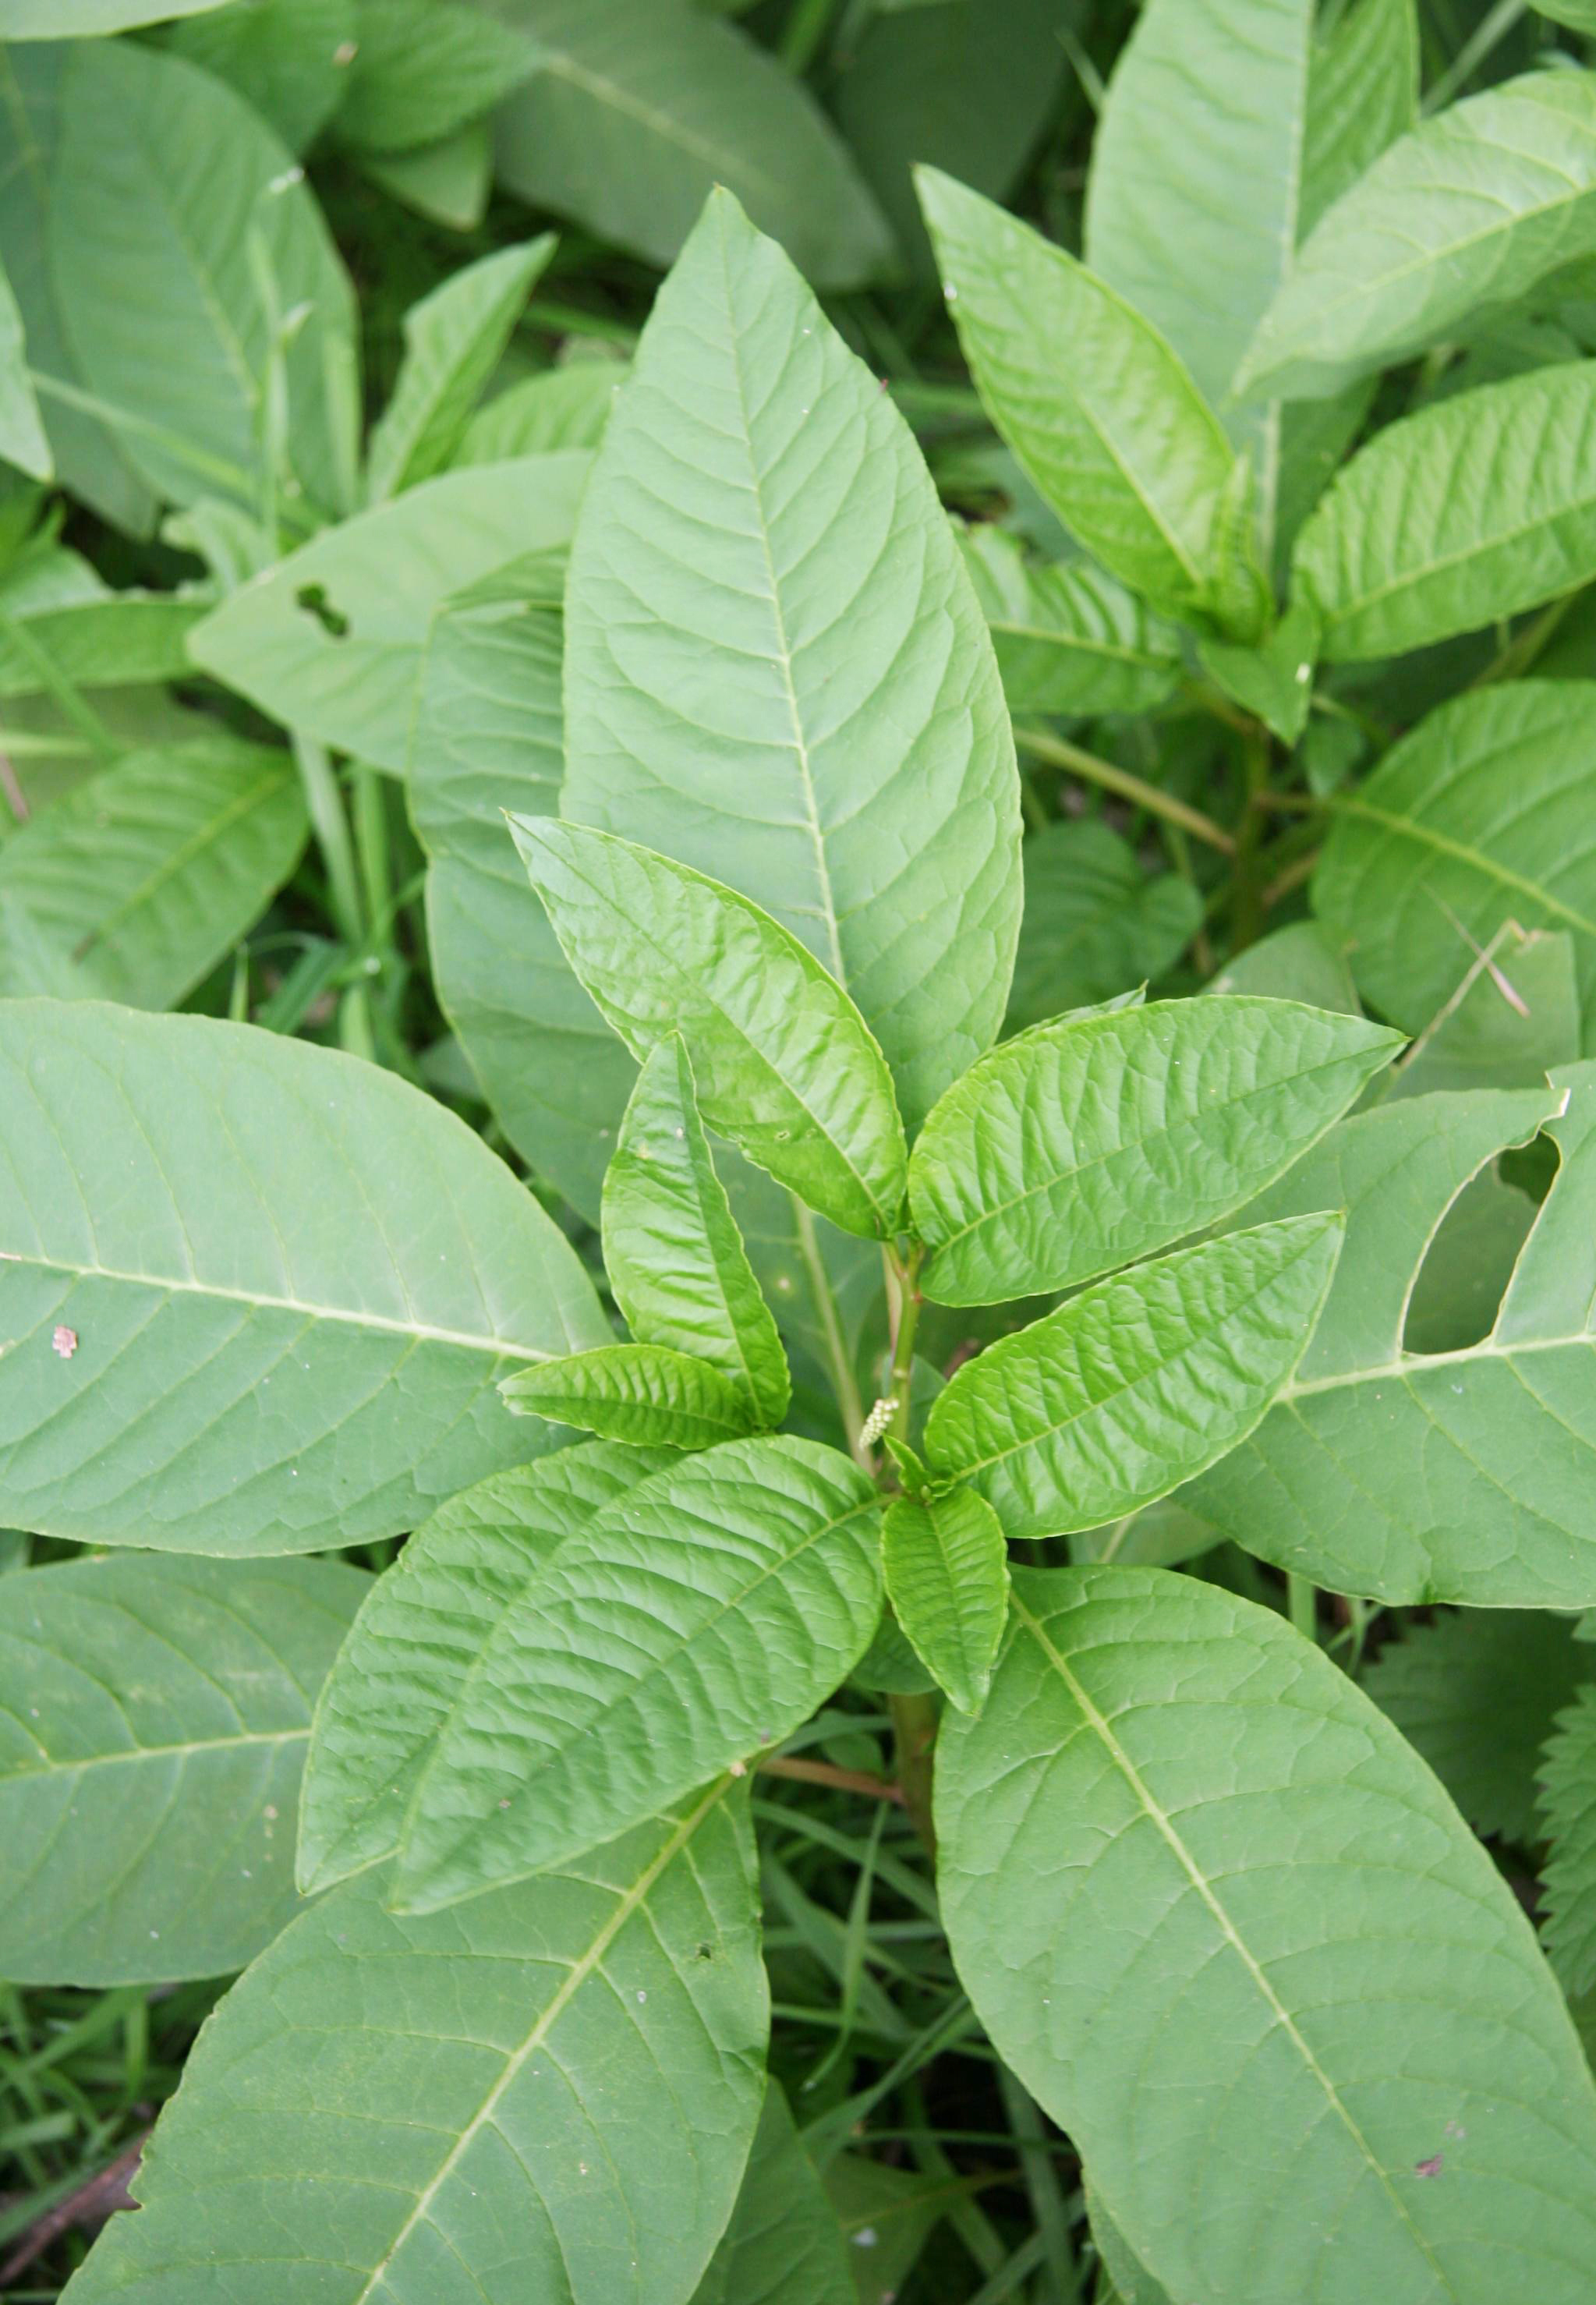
822	1773
94	2200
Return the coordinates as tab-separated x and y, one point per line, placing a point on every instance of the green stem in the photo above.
838	1368
1060	754
324	802
914	1718
1301	1601
1247	910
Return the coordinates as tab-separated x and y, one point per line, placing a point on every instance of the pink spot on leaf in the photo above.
64	1341
1430	2168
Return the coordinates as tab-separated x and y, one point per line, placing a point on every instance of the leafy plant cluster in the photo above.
799	1291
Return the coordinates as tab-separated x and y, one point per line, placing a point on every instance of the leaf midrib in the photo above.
54	1765
1408	828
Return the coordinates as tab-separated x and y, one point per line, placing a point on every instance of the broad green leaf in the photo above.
887	2216
1161	1535
1579	15
1465	1476
412	1652
1068	639
76	20
1093	1141
1475	1691
784	2245
1480	815
448	181
1095	922
1467	211
644	1394
784	1064
890	1664
332	641
173	206
561	408
1098	408
93	639
1299	963
143	877
639	108
1464	513
258	1294
946	1568
703	1615
1183	1861
776	668
1273	677
549	2095
1567	1818
1362	95
154	1716
453	342
289	58
22	440
423	69
675	1260
826	1288
1511	1021
1136	1384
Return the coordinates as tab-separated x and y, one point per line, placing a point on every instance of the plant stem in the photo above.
1247	911
1301	1602
1060	754
822	1773
914	1718
838	1368
900	1384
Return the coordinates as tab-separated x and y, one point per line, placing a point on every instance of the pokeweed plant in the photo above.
912	1310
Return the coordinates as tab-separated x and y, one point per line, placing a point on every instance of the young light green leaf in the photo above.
785	1065
702	1615
640	108
1068	639
1095	922
447	182
1272	679
423	68
154	1716
1299	963
1126	1835
1137	1383
1468	210
93	639
776	669
675	1257
1091	1141
332	640
136	884
1362	95
412	1652
453	339
259	1295
551	2095
644	1394
1432	857
289	58
77	20
1091	399
1475	1692
22	440
784	2245
946	1568
173	202
564	407
1568	1819
1468	512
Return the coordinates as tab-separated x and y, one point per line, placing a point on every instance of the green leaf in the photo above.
1093	1141
640	108
22	441
258	1294
1567	1814
173	206
1432	857
332	642
1466	212
135	885
1509	1023
702	1616
453	339
1098	408
776	669
784	1064
1362	95
447	182
1068	639
1468	1265
675	1260
1579	15
549	2094
644	1394
1274	677
423	69
785	2244
93	639
1299	963
946	1567
1094	921
77	20
413	1649
1463	1477
1135	1385
154	1716
564	407
1184	1858
1475	1692
289	58
1467	513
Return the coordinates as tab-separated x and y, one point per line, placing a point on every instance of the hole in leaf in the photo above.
1467	1265
313	600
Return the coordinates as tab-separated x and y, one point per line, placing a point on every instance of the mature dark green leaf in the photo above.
289	58
1484	813
1093	1141
1568	1811
549	2094
1095	921
701	1616
784	1065
640	108
141	879
414	1650
448	181
675	1260
154	1716
1136	1384
259	1294
1068	639
1183	1860
1089	397
1515	1015
1299	963
644	1394
776	668
423	69
784	2243
946	1568
22	440
1468	1265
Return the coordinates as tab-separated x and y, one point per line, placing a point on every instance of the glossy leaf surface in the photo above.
644	1394
946	1568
